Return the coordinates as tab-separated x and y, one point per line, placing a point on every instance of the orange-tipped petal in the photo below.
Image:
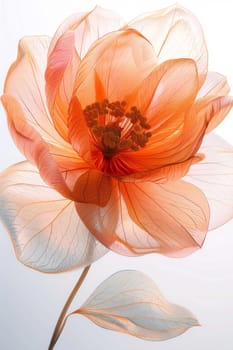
140	218
88	27
175	32
214	176
93	187
63	63
32	146
25	82
121	60
214	110
215	85
44	227
130	302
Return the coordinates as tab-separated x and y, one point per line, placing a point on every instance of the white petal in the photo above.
44	227
130	302
214	176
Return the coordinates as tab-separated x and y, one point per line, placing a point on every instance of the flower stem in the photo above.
61	320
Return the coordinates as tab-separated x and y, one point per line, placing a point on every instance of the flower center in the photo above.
115	129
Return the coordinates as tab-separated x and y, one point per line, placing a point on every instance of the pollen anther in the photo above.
116	128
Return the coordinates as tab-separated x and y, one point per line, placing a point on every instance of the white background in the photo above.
30	301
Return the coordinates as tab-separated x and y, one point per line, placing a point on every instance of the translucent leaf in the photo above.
130	302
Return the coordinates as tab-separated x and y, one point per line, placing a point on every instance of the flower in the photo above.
113	120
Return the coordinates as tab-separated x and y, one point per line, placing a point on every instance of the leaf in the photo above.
130	302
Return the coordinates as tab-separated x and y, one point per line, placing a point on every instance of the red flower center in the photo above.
115	128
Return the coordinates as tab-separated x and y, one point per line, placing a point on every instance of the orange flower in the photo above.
113	117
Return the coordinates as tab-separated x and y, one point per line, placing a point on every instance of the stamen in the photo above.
115	130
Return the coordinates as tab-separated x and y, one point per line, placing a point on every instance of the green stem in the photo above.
61	320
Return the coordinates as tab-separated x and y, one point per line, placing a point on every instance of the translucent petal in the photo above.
88	27
174	32
78	131
121	60
63	63
215	85
174	214
25	82
130	302
168	90
171	172
35	148
94	187
176	141
140	218
213	110
44	227
214	176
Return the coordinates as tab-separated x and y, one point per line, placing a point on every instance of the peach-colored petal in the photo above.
175	214
88	27
170	92
78	131
215	85
174	32
93	187
176	142
35	149
171	172
63	63
131	303
167	92
121	60
102	221
214	176
45	229
171	219
214	110
25	82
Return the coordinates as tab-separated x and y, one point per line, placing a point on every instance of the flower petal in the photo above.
78	131
171	172
63	63
170	93
25	82
174	32
44	227
214	176
177	141
168	90
171	219
213	110
93	187
33	146
121	60
88	27
59	165
215	85
130	302
175	214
